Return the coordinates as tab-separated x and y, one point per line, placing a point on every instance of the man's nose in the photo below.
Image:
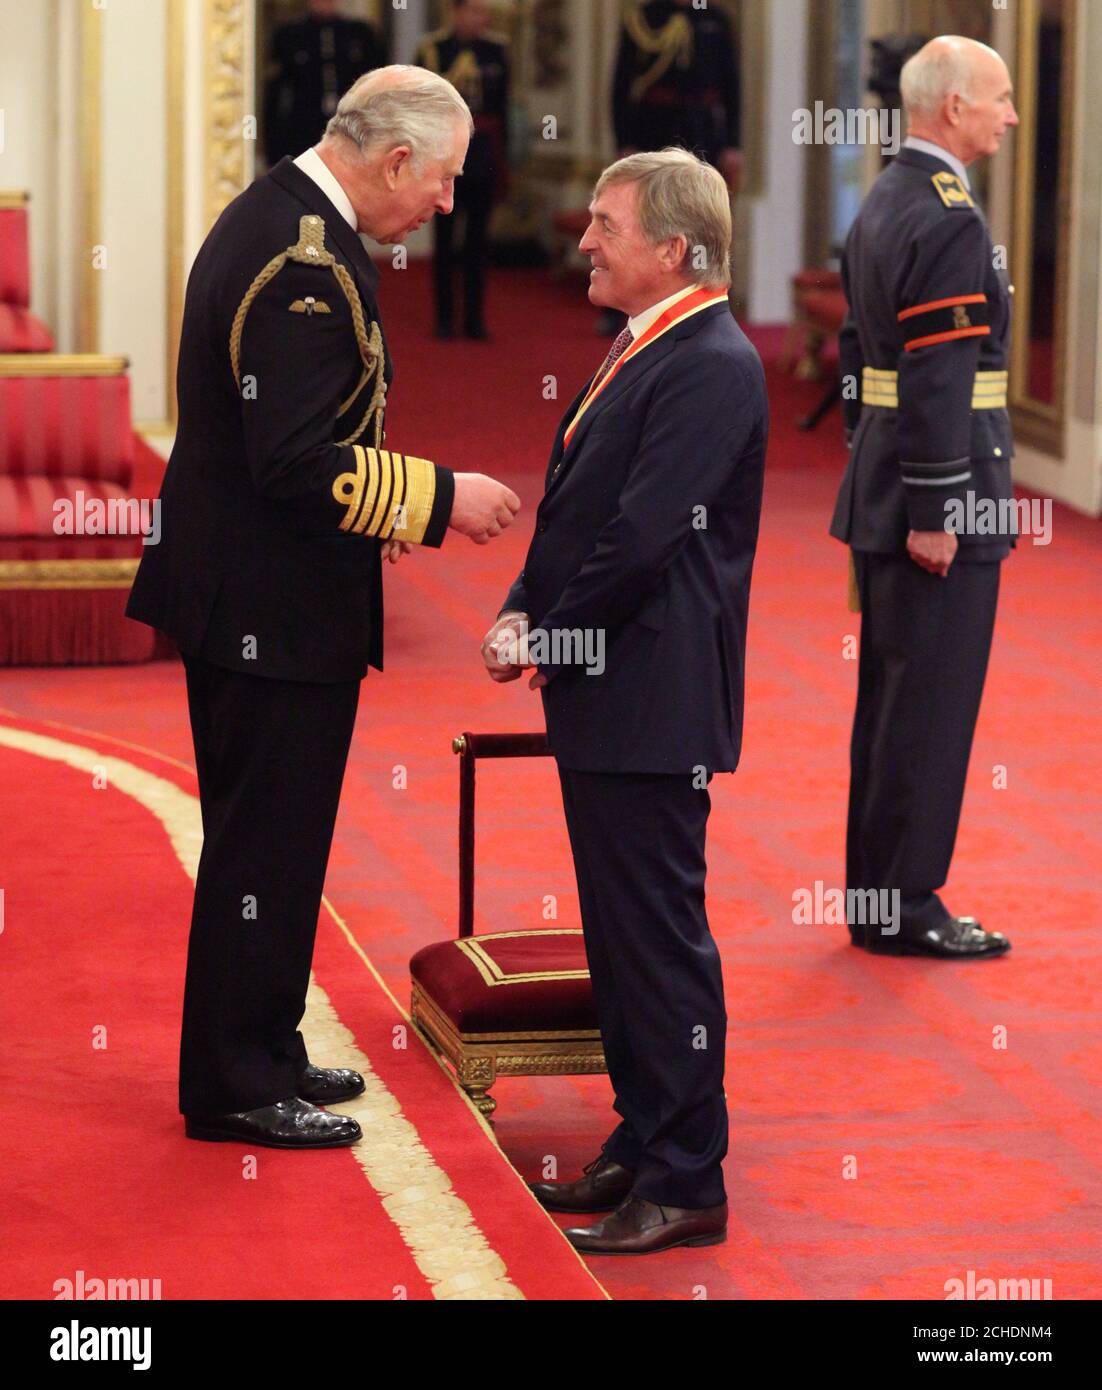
1012	119
445	202
588	242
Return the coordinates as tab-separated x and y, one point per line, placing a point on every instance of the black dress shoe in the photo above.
639	1227
288	1124
956	938
477	332
604	1186
329	1085
445	332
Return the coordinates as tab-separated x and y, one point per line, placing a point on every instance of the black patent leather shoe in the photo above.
603	1186
329	1085
956	938
288	1124
639	1227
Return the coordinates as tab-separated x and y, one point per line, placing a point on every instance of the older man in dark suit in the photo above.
632	607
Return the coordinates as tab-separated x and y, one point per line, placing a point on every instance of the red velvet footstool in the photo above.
512	1003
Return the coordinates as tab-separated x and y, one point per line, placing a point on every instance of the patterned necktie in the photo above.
615	352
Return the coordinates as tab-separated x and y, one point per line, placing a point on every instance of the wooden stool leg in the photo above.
476	1076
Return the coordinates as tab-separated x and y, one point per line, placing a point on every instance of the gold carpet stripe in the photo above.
452	1081
446	1244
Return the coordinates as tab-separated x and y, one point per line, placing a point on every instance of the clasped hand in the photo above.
502	642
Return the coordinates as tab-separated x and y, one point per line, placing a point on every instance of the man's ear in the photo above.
674	252
393	163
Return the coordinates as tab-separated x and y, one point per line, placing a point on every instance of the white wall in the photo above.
776	217
133	213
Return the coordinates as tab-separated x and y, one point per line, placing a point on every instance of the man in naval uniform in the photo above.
926	344
277	505
676	82
477	63
314	60
644	543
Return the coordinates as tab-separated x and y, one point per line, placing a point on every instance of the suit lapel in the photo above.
629	374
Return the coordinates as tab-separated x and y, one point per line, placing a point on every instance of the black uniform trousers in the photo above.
270	755
638	843
925	642
474	201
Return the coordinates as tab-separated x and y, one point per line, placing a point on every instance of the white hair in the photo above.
943	66
400	105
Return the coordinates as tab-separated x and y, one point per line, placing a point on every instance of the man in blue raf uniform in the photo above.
644	543
926	342
475	62
277	505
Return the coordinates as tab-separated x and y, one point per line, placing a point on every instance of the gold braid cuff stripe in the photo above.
390	495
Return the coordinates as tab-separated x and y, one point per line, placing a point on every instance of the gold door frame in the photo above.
1036	422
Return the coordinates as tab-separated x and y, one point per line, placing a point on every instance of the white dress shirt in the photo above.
314	167
913	142
641	322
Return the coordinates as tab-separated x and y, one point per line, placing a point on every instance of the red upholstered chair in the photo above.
804	330
514	1003
66	438
20	330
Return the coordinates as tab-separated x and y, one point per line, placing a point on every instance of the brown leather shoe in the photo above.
604	1186
639	1227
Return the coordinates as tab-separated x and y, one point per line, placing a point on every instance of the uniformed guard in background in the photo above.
476	62
314	60
926	344
280	497
677	82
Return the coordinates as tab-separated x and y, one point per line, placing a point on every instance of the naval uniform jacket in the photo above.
676	80
924	353
277	494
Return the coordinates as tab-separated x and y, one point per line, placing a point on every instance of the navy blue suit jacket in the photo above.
647	531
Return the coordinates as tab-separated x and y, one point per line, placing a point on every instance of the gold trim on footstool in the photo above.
493	974
480	1058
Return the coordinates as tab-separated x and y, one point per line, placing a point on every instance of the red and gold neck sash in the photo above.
694	301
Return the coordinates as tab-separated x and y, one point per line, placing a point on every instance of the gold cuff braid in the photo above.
390	495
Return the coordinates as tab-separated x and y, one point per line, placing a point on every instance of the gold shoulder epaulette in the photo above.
951	190
310	250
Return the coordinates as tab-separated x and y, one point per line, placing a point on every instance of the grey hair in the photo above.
419	109
681	195
943	66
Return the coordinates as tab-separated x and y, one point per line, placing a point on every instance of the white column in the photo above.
776	216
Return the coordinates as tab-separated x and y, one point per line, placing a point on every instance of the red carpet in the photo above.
967	1156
